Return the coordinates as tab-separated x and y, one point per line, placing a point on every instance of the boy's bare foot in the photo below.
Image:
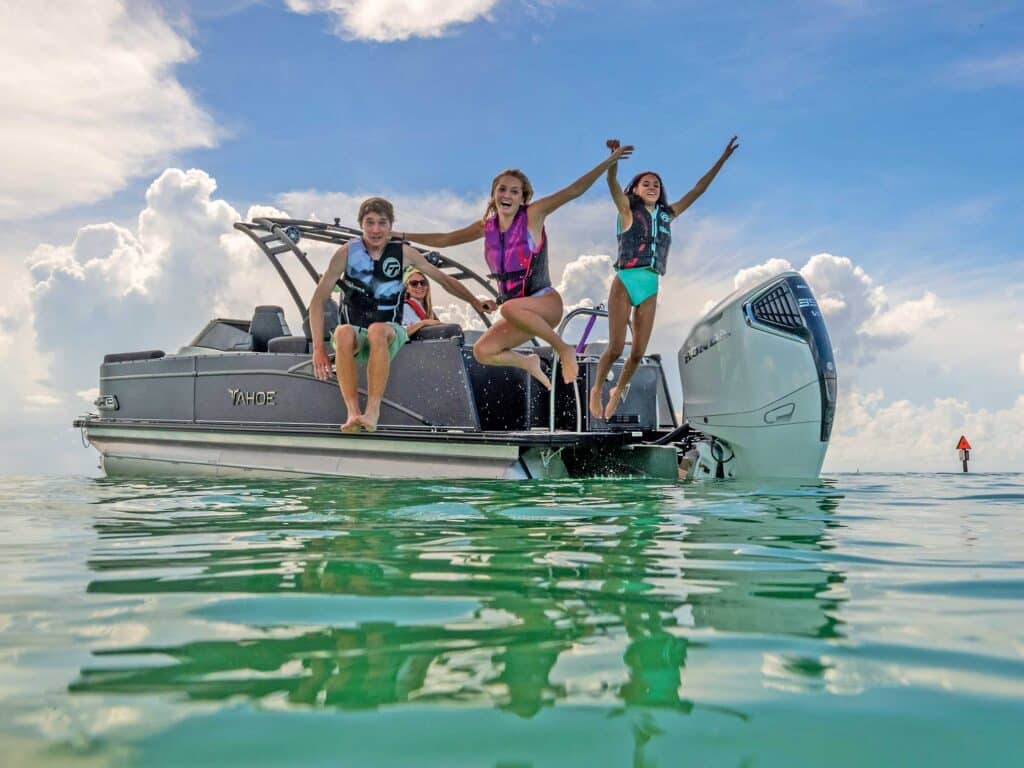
369	419
352	425
570	368
596	406
614	397
532	365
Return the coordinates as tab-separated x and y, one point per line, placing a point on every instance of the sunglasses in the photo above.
418	283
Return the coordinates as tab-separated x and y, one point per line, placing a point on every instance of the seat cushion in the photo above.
443	331
289	344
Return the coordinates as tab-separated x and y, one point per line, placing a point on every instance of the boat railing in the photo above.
277	236
593	313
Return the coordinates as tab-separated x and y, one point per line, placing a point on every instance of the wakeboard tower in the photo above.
241	400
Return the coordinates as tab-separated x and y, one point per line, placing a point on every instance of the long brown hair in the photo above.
630	189
516	174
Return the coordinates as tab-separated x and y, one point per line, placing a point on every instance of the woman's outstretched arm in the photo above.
450	284
705	181
446	239
539	209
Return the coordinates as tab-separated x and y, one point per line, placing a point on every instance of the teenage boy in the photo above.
371	270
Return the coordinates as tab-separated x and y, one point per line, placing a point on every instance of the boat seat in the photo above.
443	331
332	319
289	344
267	323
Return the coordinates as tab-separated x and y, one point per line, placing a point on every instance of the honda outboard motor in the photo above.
759	384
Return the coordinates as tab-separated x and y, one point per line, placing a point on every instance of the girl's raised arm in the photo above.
618	196
539	209
447	239
705	181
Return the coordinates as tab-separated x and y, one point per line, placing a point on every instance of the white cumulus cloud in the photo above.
586	280
460	313
113	289
751	276
90	101
391	20
873	434
861	319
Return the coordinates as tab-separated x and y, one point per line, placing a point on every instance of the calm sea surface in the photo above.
864	620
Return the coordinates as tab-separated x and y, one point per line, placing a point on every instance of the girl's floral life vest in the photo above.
518	265
646	242
373	289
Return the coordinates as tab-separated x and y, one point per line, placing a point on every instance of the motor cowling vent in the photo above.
778	308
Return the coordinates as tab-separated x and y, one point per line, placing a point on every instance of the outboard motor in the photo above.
759	384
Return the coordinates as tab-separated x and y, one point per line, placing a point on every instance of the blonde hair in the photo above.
516	174
428	304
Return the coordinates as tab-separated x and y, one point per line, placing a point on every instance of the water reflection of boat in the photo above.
241	399
513	613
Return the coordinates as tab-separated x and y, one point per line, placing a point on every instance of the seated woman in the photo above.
417	307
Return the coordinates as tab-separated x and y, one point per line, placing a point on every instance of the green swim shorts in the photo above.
640	283
363	341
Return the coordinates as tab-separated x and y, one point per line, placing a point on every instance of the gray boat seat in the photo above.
332	319
289	344
443	331
267	323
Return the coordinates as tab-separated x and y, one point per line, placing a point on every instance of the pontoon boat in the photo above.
241	399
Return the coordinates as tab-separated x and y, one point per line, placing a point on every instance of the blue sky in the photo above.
853	117
883	135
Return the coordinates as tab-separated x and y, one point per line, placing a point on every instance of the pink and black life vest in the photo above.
516	263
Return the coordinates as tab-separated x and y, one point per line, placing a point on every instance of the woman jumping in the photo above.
644	234
516	251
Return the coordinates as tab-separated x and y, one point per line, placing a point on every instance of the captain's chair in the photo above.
267	323
302	345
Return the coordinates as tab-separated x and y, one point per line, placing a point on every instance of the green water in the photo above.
864	620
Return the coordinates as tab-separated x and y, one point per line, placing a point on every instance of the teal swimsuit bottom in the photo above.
640	283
